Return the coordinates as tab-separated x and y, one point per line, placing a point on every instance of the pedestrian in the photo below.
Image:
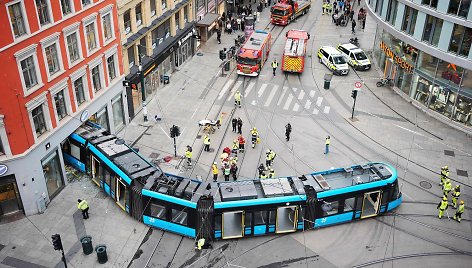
268	158
234	123
201	244
459	211
288	130
271	173
442	206
263	176
234	171
275	64
237	98
269	2
261	169
358	2
351	14
447	187
363	21
242	143
218	36
327	143
227	171
353	25
228	26
206	143
84	207
240	126
188	155
456	193
215	171
444	174
254	137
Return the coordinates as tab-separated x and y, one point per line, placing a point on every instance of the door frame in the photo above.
94	169
379	200
118	193
223	224
295	220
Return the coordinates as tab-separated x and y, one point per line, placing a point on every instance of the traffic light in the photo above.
56	241
354	94
222	54
174	131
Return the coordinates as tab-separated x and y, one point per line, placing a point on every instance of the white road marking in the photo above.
233	90
295	107
271	95
419	146
225	87
312	93
315	111
253	102
249	88
281	97
307	104
289	100
326	109
318	101
301	95
261	90
294	89
408	130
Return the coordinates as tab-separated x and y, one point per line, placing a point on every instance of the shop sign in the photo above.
84	116
187	37
396	59
3	169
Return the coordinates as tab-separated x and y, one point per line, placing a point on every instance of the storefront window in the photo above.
52	173
131	58
101	118
9	196
118	117
427	64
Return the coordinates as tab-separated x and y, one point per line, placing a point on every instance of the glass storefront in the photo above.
118	116
441	86
101	118
53	174
9	196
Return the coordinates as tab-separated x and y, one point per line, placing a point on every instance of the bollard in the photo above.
101	253
86	242
327	80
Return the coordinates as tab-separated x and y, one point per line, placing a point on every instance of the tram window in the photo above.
260	217
349	204
158	211
385	196
107	176
179	216
218	223
272	217
359	202
75	151
330	208
248	219
395	191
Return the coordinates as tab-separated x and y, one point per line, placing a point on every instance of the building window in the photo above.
139	16
460	40
431	3
177	20
16	19
66	7
52	173
142	47
60	102
409	20
73	47
111	66
153	8
52	59
131	58
43	12
432	30
90	35
107	27
86	3
79	90
96	79
186	14
127	21
459	7
2	151
392	11
164	4
29	72
38	120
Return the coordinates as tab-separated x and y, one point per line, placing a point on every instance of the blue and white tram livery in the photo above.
226	210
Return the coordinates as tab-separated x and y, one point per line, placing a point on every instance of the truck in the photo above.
286	11
293	59
254	53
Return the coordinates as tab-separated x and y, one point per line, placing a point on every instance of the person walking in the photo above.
444	174
327	143
237	98
261	169
242	143
364	17
234	123
275	64
447	187
459	211
456	193
84	207
206	143
227	171
235	147
188	155
215	171
442	206
353	25
268	158
218	35
288	130
254	137
240	126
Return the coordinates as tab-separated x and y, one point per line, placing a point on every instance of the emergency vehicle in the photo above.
286	11
254	53
293	59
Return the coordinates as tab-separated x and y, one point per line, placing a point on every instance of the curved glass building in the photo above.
425	46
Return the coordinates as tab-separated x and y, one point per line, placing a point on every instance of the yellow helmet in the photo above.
445	198
448	180
462	202
254	128
446	167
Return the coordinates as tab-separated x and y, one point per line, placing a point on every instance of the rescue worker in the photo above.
215	171
234	160
224	158
237	98
323	8
268	158
234	171
242	143
271	173
83	206
444	174
201	244
227	171
447	187
188	155
275	64
261	169
240	126
288	130
442	206
234	123
263	176
235	147
254	136
206	143
459	211
327	143
455	195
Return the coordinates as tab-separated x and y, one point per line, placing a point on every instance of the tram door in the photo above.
370	204
95	170
287	218
232	224
121	194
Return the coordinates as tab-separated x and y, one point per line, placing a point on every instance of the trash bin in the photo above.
227	66
101	253
327	80
86	242
165	79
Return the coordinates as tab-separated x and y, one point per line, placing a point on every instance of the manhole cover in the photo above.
462	173
449	153
154	155
199	54
199	136
425	184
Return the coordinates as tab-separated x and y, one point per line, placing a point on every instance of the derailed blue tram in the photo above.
225	210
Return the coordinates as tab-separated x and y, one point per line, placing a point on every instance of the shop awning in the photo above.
208	20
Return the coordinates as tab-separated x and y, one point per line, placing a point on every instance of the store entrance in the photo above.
9	199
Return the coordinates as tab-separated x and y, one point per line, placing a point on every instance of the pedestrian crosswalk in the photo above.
288	98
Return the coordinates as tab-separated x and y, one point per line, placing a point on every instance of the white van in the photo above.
333	59
355	56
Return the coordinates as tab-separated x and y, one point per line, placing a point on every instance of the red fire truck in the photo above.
293	59
254	53
286	11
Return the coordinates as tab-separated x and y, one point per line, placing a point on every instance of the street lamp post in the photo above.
143	92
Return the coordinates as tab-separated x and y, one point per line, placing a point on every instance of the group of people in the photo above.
342	11
455	194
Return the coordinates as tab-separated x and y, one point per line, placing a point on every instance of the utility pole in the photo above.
57	243
354	96
143	92
174	133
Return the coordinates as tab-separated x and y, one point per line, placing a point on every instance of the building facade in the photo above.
425	46
61	65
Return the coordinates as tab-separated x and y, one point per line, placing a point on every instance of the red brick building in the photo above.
61	64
